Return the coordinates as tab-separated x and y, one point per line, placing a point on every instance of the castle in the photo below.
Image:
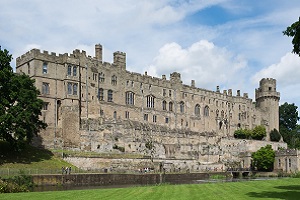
91	105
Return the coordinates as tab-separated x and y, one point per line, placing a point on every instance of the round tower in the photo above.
267	99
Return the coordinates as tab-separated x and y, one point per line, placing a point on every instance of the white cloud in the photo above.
287	71
204	62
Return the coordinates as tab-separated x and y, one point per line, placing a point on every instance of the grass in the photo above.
287	188
30	157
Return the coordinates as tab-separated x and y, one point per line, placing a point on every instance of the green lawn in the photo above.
287	188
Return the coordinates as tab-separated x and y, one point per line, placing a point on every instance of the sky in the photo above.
226	43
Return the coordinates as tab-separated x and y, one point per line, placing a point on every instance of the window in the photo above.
181	122
45	88
129	98
146	117
75	88
115	114
170	93
290	163
114	80
154	118
279	163
69	70
217	113
109	95
28	68
206	111
170	106
150	101
167	120
164	105
94	77
164	92
69	88
181	106
126	114
197	110
45	68
101	77
74	70
100	94
45	105
72	88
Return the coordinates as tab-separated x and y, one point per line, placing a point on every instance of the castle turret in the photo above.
120	59
267	99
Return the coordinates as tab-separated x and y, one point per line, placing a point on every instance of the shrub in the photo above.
275	135
242	134
259	132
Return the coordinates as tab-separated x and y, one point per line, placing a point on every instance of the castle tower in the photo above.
267	99
120	59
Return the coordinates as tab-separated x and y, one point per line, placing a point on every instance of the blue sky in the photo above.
230	43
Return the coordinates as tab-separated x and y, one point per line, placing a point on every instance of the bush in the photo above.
275	135
242	134
20	183
259	132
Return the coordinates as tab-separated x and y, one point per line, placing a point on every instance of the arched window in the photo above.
100	94
206	111
181	105
164	105
150	101
129	98
197	110
170	106
109	95
114	80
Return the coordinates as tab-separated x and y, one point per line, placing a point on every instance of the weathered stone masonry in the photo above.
97	106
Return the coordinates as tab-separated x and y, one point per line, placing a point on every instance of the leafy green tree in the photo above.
259	132
294	31
20	107
275	135
288	128
263	159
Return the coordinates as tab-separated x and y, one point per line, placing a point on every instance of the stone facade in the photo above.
287	160
91	105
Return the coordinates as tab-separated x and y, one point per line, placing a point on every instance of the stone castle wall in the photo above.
91	105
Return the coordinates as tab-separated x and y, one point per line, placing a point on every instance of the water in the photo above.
89	187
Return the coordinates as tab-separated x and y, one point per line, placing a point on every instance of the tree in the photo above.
20	107
288	128
263	159
294	31
275	135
